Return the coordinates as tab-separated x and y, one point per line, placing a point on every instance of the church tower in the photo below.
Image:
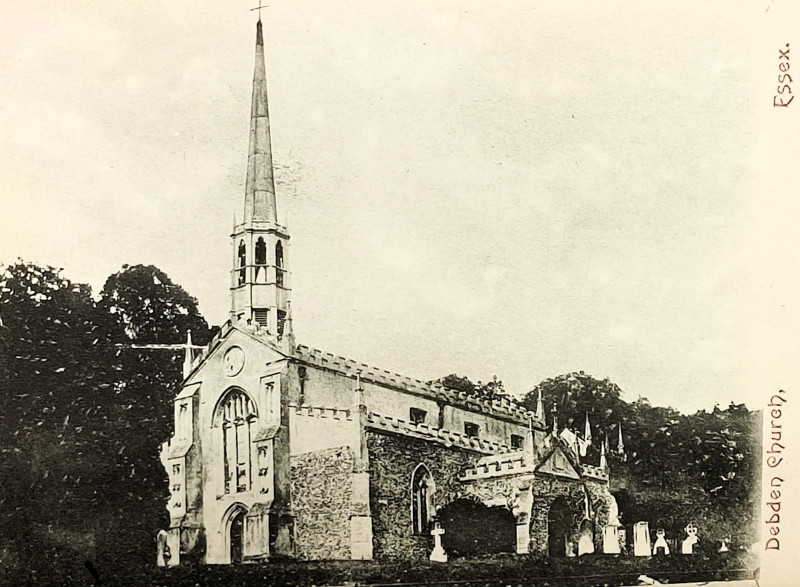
260	288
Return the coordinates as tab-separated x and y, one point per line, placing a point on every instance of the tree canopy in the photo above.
491	390
674	466
83	413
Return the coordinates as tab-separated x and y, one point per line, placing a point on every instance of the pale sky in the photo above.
523	188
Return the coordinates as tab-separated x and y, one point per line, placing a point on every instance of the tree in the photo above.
574	395
492	390
146	307
677	467
82	417
54	383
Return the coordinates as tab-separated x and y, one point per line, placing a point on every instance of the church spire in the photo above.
260	287
259	201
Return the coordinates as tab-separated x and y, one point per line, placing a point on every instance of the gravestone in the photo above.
688	545
641	539
570	547
611	539
586	538
438	554
660	547
162	550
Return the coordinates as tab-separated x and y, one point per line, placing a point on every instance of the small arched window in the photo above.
422	490
279	263
242	264
261	260
236	417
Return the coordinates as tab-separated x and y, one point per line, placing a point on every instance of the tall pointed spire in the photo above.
260	277
259	202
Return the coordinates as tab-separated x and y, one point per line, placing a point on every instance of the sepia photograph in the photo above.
337	292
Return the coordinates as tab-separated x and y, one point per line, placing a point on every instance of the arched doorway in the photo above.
472	528
236	534
559	527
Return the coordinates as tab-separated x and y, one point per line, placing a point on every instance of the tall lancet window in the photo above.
422	490
261	261
242	262
236	417
279	263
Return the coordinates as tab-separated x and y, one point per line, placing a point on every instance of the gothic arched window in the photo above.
236	417
422	490
242	255
279	263
261	259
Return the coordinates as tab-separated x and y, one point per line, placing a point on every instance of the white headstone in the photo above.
660	546
611	539
641	539
438	554
688	545
586	539
162	550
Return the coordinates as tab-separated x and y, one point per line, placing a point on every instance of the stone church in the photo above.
281	450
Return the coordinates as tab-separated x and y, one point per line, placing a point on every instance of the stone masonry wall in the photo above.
321	494
392	462
545	492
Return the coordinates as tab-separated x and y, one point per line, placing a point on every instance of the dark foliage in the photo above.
676	468
494	389
83	413
471	528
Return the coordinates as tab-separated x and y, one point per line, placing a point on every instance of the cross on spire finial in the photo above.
259	7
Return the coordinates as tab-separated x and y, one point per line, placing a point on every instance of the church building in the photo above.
281	450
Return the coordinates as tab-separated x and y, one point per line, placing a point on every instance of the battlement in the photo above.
497	466
320	412
599	473
503	407
442	436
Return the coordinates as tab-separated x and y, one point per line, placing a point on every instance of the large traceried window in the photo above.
236	417
422	508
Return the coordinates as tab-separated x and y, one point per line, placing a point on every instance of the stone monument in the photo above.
691	539
660	546
438	555
641	539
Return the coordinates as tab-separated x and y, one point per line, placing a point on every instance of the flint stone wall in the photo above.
322	488
392	462
547	489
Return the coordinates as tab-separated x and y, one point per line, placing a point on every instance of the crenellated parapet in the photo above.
500	465
448	438
321	412
500	407
598	473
